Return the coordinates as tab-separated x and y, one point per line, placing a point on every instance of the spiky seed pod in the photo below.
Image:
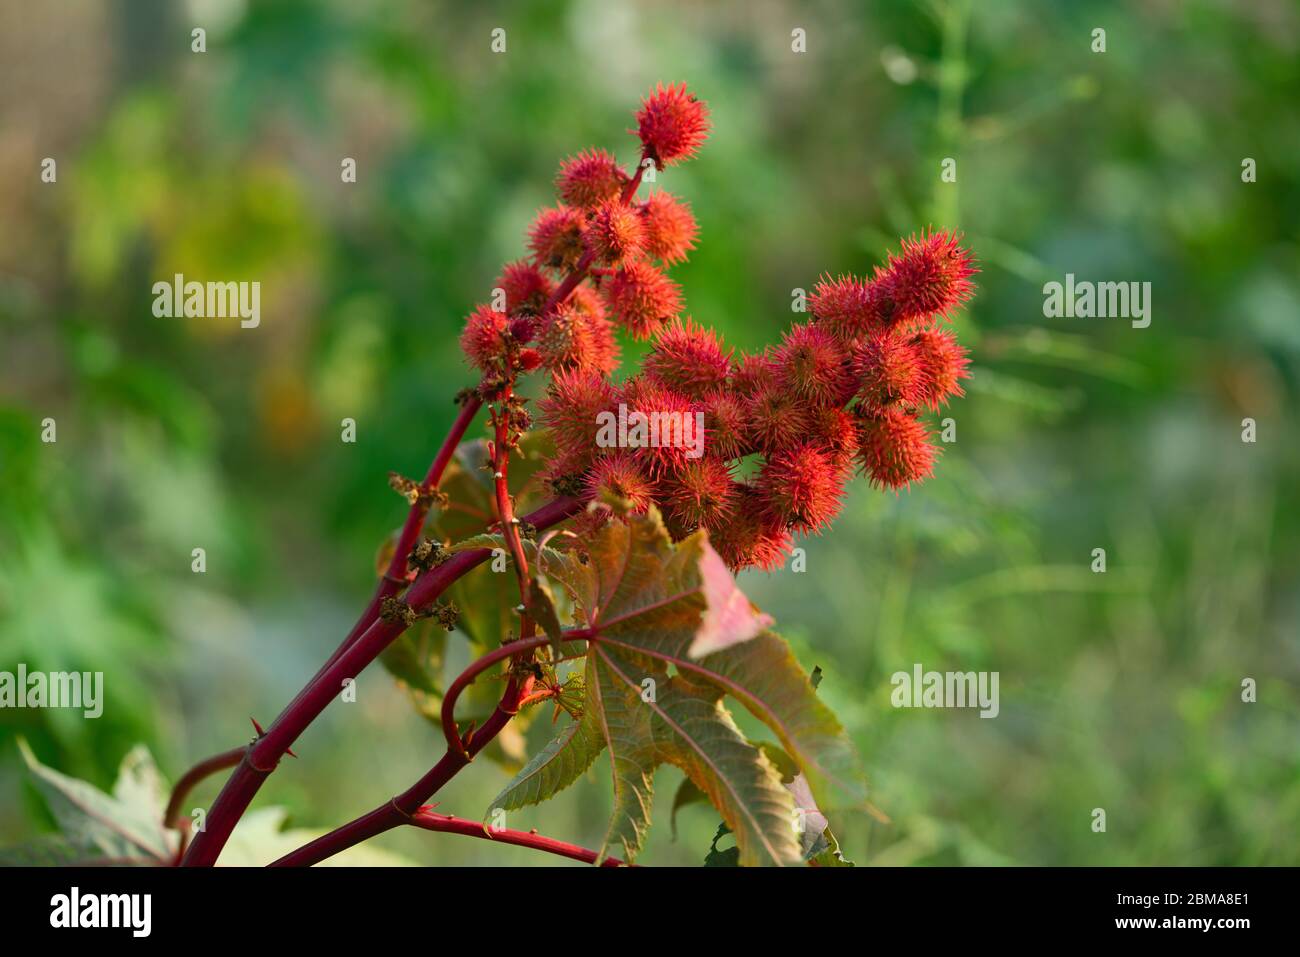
701	492
894	448
620	474
832	428
585	299
670	227
566	471
751	373
726	425
605	352
641	298
670	421
574	338
750	537
526	287
945	362
803	487
812	364
930	276
890	369
589	179
573	400
614	233
776	418
556	238
848	307
483	338
688	358
672	124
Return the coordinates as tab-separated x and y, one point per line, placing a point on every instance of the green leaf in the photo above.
568	755
653	605
471	495
671	638
126	826
48	850
692	730
486	600
542	608
828	854
625	728
140	784
416	660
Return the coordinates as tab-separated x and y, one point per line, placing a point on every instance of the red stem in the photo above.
447	824
261	758
190	779
466	677
369	636
579	272
396	575
398	811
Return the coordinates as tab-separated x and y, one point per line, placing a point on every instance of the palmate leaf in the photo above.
690	729
625	729
657	613
663	613
125	826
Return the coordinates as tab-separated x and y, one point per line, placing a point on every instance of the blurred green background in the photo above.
1118	690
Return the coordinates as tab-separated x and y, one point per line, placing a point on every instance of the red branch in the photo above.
465	678
397	575
262	757
371	634
190	779
400	809
447	824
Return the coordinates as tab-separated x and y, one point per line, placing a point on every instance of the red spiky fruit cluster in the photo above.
843	391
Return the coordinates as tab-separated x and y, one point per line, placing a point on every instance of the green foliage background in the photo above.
1119	691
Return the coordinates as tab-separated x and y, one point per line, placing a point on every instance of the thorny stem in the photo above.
261	758
502	442
466	677
397	576
369	636
448	824
191	778
399	810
